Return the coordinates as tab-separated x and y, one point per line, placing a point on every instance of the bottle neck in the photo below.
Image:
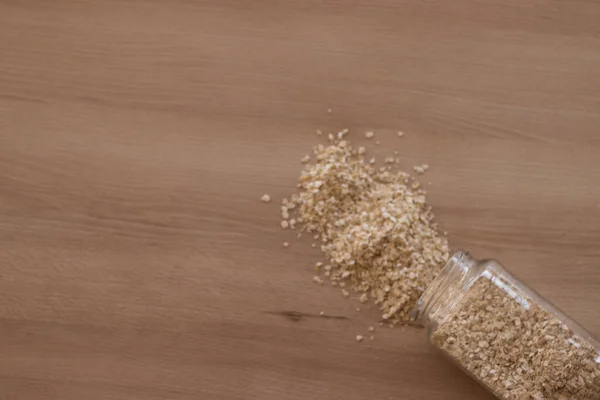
446	290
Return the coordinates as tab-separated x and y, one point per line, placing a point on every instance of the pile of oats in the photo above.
517	349
374	227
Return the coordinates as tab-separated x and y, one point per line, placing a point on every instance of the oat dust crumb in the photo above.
421	169
377	232
265	198
518	352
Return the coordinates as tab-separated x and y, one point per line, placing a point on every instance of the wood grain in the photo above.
136	138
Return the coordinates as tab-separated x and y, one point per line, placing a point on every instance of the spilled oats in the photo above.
376	230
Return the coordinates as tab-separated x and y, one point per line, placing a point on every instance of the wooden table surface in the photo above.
137	137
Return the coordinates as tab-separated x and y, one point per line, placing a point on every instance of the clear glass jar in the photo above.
506	336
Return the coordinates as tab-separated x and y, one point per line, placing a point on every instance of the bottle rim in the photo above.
445	290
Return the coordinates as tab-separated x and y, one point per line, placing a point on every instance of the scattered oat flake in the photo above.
318	280
285	224
265	198
420	169
305	159
286	244
369	134
371	328
342	133
322	313
359	338
401	134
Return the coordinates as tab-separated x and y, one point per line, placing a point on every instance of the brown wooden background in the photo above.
136	138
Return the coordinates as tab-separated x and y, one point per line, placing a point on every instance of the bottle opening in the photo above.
444	292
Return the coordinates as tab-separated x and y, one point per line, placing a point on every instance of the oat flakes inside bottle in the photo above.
506	336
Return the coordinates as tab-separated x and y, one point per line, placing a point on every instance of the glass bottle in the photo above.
506	336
